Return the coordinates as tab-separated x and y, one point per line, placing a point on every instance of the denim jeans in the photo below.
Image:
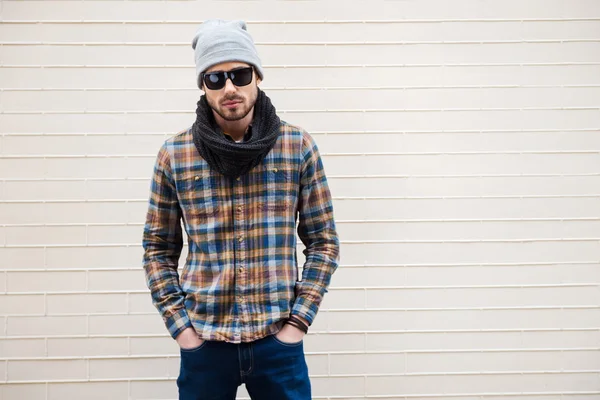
270	369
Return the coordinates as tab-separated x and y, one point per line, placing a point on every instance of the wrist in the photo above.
298	323
301	319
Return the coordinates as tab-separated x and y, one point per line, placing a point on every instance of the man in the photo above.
239	178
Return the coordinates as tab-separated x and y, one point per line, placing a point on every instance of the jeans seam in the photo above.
239	349
251	360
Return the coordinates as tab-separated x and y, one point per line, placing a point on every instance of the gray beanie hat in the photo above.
218	41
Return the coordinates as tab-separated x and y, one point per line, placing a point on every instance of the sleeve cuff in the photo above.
306	309
178	322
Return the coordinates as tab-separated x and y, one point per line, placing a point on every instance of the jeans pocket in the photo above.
193	349
286	344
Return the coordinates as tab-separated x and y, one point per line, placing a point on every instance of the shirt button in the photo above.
240	208
238	179
196	178
241	238
241	269
275	170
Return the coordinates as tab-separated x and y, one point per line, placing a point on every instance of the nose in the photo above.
229	86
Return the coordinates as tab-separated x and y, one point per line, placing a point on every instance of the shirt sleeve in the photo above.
162	243
317	230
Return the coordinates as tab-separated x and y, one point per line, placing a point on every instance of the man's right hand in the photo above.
188	339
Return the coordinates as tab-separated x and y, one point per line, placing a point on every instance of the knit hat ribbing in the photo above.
217	41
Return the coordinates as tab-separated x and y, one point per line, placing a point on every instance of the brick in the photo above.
44	190
558	339
318	364
107	167
413	385
156	389
378	341
141	302
131	368
20	348
48	212
22	168
583	381
90	257
59	304
40	145
4	370
153	346
136	211
142	144
539	318
11	304
334	386
118	189
88	390
363	364
106	212
331	342
118	280
126	324
371	276
22	258
367	320
45	326
19	391
461	252
321	321
343	299
577	360
19	370
114	234
87	347
41	281
57	123
556	296
45	235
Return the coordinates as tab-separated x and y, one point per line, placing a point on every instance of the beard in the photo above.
239	111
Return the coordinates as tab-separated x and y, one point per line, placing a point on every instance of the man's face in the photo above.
231	102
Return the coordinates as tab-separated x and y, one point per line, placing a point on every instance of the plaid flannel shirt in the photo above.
240	278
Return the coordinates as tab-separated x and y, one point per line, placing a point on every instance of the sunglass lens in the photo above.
241	77
215	80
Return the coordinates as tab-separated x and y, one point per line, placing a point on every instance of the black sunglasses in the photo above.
239	77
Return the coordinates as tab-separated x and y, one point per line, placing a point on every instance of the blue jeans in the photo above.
270	369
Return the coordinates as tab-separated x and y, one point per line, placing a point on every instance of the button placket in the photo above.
240	248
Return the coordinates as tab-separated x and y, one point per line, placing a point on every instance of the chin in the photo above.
236	115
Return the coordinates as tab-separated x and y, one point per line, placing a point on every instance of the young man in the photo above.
239	178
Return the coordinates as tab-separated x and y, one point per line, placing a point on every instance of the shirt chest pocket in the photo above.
199	200
280	189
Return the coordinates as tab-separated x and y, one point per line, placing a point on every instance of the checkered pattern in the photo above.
240	279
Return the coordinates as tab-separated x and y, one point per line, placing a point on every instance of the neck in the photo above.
235	129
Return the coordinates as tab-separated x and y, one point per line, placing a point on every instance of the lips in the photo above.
231	103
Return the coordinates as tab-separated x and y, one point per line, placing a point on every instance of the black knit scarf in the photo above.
230	158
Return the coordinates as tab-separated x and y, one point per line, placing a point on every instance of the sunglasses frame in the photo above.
226	75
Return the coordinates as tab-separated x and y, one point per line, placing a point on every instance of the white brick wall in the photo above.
462	144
